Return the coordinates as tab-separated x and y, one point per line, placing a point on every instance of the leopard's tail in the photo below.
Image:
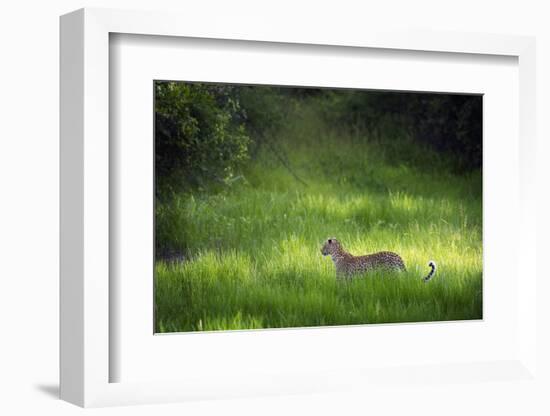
432	272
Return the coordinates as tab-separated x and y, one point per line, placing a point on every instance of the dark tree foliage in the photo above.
448	123
451	124
200	135
204	133
264	108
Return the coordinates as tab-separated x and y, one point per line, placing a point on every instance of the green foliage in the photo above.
205	133
450	124
252	250
199	135
264	109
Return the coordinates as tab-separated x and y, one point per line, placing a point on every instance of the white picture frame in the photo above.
85	353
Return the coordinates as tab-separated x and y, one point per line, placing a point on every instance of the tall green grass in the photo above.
251	252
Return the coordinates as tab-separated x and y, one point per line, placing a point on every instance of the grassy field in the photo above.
252	250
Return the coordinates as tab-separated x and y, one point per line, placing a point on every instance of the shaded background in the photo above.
205	132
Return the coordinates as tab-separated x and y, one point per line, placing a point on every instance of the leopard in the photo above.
347	265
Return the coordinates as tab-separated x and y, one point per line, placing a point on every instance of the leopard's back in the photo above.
385	260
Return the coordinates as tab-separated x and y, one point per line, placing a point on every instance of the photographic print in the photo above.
281	207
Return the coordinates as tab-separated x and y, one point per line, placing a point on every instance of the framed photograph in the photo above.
242	203
259	214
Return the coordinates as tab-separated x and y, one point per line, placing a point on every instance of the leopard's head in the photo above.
331	246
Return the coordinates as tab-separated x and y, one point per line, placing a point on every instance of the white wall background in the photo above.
29	57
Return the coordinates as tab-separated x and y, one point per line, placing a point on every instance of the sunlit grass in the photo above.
252	251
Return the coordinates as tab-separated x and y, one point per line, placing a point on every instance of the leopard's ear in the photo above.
330	240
